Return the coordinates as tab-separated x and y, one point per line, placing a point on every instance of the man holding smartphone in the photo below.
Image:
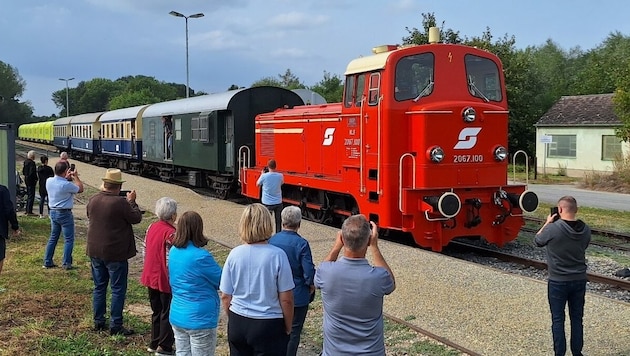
566	239
61	190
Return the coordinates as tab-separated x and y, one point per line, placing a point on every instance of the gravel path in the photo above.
487	311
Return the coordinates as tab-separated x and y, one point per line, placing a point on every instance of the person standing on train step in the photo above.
30	178
43	173
353	290
566	240
61	190
271	183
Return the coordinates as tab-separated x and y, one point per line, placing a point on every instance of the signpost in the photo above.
546	139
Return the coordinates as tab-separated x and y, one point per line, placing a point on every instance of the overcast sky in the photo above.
242	41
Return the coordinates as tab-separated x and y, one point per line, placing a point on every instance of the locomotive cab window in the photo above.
482	76
374	90
414	77
354	90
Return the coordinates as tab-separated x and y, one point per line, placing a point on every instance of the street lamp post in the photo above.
193	16
67	100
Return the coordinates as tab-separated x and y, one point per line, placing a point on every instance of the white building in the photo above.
577	136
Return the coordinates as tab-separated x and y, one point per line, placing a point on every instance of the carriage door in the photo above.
372	121
229	141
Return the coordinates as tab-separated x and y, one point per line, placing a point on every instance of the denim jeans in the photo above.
60	221
30	198
43	199
299	315
199	342
115	274
561	293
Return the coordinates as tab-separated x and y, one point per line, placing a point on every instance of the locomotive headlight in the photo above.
469	114
500	153
436	153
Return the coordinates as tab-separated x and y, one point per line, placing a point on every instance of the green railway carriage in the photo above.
206	133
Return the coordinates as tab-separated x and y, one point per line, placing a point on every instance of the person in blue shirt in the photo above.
271	183
300	257
194	276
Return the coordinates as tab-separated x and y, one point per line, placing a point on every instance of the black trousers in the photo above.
249	337
161	330
276	210
30	198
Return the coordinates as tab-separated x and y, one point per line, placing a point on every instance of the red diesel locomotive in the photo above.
417	145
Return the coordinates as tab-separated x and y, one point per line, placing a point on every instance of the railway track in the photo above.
541	265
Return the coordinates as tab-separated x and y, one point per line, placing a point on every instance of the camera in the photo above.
266	169
554	210
72	167
123	193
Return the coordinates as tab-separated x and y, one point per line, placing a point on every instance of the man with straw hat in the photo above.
110	243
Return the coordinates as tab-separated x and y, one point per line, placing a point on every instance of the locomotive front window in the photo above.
349	92
482	76
414	77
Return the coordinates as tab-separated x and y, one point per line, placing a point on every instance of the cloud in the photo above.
296	20
292	53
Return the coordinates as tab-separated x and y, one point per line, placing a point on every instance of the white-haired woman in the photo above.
158	241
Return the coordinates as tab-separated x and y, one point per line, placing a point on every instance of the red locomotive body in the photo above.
418	144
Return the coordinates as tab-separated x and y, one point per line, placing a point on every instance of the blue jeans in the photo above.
299	315
115	274
190	342
561	293
60	221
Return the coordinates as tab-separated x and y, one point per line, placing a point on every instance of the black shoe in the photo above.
68	267
100	327
49	267
121	331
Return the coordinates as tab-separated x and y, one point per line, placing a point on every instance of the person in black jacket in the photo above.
566	240
30	178
44	172
7	217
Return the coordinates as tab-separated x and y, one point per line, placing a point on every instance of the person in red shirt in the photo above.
158	241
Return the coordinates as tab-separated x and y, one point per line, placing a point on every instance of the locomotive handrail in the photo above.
244	159
362	160
526	166
378	156
400	177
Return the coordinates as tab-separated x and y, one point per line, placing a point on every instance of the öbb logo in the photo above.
467	138
328	136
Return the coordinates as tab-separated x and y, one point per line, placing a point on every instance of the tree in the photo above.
330	87
11	89
288	80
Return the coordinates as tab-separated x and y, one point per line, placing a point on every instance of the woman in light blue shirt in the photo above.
194	276
257	289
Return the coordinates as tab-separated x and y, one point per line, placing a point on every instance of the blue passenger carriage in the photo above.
84	135
121	137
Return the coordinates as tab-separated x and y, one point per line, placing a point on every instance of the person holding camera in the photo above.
61	190
271	183
110	243
566	239
353	290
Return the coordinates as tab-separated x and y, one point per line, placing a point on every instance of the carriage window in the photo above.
203	128
414	77
194	128
482	76
375	82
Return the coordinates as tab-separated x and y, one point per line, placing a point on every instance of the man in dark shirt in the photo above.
566	240
110	243
30	178
43	173
7	217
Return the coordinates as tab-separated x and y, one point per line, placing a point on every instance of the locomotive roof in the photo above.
368	63
201	103
86	118
120	114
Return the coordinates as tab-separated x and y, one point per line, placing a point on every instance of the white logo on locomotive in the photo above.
328	136
467	138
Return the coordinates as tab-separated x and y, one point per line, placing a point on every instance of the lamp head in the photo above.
195	16
176	14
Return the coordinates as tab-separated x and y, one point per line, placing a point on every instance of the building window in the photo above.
562	146
611	147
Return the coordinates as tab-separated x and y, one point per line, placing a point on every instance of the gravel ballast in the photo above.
480	308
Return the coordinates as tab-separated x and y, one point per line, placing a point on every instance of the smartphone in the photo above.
72	167
554	210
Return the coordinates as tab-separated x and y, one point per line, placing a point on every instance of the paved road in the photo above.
595	199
